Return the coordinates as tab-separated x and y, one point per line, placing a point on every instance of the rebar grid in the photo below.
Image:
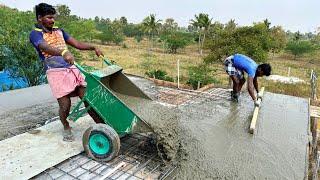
138	153
184	96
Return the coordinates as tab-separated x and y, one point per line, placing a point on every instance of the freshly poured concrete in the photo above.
216	142
162	119
209	139
27	155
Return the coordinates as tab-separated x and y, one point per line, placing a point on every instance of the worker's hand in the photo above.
67	56
259	95
257	103
98	52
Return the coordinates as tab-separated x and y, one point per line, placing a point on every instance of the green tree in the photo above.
253	41
297	36
63	10
206	22
132	30
267	23
316	39
151	26
159	74
63	14
123	21
87	32
298	48
96	19
16	53
176	40
196	23
201	74
110	32
202	22
169	25
278	39
231	25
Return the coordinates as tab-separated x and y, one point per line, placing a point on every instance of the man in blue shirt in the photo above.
236	65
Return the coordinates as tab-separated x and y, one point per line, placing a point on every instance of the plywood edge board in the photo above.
255	114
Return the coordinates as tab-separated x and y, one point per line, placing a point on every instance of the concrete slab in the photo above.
217	144
27	155
25	97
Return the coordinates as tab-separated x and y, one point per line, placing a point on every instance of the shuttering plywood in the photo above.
26	155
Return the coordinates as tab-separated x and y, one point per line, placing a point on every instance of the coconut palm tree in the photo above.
202	22
196	22
206	23
151	26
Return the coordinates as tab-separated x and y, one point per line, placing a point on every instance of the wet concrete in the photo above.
210	140
217	143
162	118
146	86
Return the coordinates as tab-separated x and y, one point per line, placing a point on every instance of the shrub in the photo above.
138	38
159	74
298	48
176	40
202	74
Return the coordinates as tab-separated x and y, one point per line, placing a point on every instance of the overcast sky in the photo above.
294	15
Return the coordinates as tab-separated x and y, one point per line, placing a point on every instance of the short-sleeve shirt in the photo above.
244	63
56	38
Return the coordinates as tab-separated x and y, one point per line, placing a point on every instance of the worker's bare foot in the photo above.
67	135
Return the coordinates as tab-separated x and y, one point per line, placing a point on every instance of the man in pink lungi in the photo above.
64	78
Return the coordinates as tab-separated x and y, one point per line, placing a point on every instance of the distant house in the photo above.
8	83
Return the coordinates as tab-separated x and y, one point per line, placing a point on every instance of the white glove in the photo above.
259	95
257	103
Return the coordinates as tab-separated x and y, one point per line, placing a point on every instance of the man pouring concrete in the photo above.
236	65
64	78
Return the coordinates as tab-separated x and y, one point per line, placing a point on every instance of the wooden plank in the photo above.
255	114
315	111
26	155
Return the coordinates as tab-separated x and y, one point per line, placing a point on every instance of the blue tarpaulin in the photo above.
6	82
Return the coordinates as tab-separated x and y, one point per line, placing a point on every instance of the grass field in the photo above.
137	58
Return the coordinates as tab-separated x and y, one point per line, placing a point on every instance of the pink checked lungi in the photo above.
63	81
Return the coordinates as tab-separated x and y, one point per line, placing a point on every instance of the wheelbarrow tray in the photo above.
102	86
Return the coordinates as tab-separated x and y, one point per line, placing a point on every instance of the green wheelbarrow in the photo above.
102	141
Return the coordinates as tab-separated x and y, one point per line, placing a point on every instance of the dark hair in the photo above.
265	68
43	9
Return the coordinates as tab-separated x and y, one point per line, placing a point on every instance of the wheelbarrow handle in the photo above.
105	60
83	71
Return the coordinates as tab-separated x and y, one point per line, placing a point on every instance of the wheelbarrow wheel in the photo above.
101	142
